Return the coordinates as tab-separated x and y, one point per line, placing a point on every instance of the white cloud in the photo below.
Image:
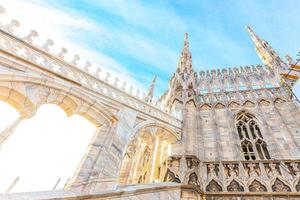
60	25
144	15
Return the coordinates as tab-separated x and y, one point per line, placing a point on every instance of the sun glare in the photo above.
42	149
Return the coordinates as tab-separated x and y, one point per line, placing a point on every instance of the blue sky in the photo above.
145	38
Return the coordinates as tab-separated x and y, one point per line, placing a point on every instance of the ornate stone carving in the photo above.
211	171
295	168
170	177
279	186
234	186
213	186
273	171
193	179
256	186
252	171
232	170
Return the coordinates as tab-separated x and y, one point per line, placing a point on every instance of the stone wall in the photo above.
279	123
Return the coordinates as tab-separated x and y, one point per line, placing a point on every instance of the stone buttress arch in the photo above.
17	100
150	128
28	94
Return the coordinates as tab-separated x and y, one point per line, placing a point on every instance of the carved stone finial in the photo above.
31	35
87	66
130	90
149	97
46	46
62	52
10	27
107	77
98	72
124	86
116	82
75	59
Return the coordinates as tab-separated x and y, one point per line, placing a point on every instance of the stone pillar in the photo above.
100	167
151	161
156	158
189	129
9	131
133	173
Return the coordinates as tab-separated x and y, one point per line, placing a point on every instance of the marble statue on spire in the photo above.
149	97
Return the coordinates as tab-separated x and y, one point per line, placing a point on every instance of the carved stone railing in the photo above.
252	176
248	97
40	57
233	176
237	78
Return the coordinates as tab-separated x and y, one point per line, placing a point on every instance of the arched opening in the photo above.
252	142
146	157
248	151
43	149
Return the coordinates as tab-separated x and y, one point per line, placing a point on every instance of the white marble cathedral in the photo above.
221	134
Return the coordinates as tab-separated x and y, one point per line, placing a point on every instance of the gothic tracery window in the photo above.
252	142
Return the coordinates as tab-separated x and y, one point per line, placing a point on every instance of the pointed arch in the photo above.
205	107
280	186
171	177
235	186
233	104
257	186
219	106
193	179
249	103
213	186
278	101
263	102
147	148
251	138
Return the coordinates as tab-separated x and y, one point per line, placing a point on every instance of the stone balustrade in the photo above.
252	176
237	78
23	48
233	176
246	97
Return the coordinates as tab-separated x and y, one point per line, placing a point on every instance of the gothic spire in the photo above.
185	60
266	53
149	97
256	40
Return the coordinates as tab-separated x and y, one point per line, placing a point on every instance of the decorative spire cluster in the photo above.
185	60
266	53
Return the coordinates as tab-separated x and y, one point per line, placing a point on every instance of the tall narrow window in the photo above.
252	142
